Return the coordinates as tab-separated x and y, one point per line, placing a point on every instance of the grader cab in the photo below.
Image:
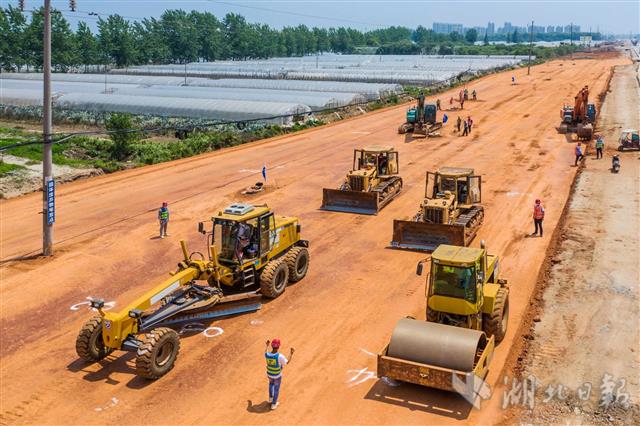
370	185
251	253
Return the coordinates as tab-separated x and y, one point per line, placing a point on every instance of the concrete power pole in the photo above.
530	47
48	216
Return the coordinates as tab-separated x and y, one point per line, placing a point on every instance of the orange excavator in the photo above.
580	117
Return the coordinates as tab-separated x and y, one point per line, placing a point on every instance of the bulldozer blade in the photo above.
350	201
424	236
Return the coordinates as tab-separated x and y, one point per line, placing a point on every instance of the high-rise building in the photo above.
559	29
568	29
538	29
550	28
491	28
576	28
507	28
446	28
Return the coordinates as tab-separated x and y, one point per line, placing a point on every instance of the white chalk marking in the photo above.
360	376
256	322
107	305
114	402
213	332
367	352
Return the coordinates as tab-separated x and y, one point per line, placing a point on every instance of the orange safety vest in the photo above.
538	211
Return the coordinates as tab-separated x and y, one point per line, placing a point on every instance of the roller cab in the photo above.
435	373
371	184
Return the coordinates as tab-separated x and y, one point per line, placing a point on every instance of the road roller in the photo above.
466	315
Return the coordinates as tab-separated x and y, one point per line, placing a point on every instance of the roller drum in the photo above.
436	344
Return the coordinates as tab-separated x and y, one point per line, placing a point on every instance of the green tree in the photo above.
514	36
210	37
180	35
63	48
86	46
455	37
236	35
119	127
486	39
117	40
471	36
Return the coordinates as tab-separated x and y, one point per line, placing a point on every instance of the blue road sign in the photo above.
51	202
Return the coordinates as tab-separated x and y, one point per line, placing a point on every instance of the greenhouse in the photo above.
315	100
215	110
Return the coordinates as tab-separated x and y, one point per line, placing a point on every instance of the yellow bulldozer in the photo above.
467	313
251	253
449	214
370	185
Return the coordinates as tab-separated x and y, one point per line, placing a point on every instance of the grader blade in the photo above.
350	201
425	236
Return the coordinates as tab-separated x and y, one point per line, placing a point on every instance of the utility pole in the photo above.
530	48
48	216
185	72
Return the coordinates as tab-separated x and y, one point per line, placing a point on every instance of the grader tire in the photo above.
432	316
495	324
157	354
297	260
89	344
273	279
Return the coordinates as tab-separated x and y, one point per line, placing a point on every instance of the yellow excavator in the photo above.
370	185
450	213
467	314
251	253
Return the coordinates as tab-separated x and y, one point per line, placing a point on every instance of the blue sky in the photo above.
615	16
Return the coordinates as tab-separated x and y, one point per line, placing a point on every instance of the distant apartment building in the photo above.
480	30
559	29
538	29
491	28
507	28
568	29
445	28
576	28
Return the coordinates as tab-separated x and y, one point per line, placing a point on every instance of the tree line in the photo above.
178	36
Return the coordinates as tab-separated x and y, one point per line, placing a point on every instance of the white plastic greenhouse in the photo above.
216	110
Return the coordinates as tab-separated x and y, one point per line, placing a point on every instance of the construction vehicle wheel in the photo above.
89	343
274	278
297	260
157	354
495	324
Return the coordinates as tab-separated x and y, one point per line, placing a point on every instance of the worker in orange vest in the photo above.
538	217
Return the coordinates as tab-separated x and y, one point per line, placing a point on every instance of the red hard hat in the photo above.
537	201
275	343
164	203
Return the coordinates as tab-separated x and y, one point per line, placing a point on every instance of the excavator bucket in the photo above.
419	132
425	236
350	201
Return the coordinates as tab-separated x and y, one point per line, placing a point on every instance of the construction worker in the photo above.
599	146
513	80
458	124
475	95
275	363
163	218
538	217
466	94
465	132
579	154
469	123
438	105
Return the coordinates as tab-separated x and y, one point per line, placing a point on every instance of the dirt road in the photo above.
337	317
589	331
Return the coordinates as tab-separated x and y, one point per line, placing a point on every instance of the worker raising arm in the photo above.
275	363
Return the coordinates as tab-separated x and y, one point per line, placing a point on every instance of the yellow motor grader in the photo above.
251	253
449	214
467	313
370	185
